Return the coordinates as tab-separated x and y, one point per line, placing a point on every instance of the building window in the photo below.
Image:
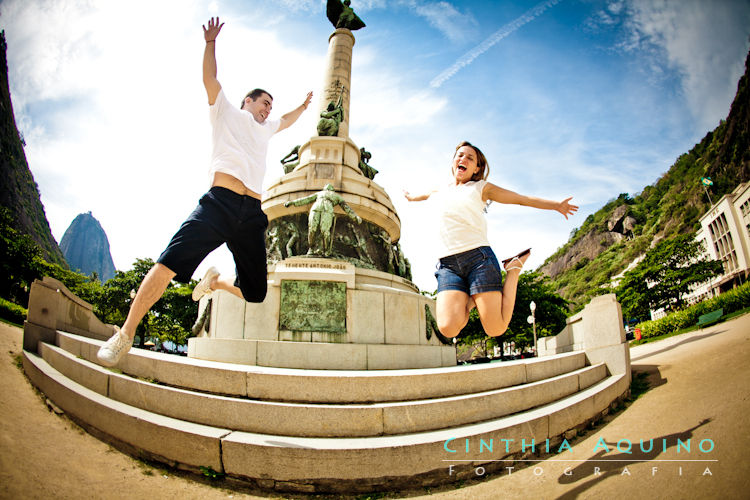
723	243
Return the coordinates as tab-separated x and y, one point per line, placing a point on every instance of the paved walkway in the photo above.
700	393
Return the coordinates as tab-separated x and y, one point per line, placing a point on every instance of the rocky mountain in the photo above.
86	247
613	237
18	191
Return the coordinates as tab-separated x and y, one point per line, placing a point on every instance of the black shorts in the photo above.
223	216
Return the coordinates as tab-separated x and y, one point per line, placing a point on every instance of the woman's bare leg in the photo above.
452	311
496	308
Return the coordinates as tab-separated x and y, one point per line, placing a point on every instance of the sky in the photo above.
581	98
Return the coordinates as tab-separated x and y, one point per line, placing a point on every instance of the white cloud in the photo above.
705	42
446	18
117	123
132	141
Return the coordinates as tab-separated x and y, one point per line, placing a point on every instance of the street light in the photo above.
532	306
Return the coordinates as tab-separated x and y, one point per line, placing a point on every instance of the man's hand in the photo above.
213	30
289	118
209	59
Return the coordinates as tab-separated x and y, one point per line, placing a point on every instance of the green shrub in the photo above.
12	312
730	301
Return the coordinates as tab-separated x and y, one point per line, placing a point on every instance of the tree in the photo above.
668	272
21	262
18	258
172	317
551	310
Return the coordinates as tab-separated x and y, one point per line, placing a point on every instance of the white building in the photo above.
725	233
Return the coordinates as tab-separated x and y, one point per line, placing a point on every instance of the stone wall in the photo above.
53	307
597	330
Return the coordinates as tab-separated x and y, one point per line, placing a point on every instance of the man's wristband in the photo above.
209	41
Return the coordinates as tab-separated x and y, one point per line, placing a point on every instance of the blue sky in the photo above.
582	98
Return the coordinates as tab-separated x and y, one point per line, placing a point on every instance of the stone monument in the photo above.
339	294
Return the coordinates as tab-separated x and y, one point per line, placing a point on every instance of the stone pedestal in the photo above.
333	160
324	314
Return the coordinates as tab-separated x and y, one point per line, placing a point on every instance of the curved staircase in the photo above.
314	430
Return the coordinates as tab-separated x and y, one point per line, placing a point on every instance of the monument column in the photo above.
338	75
339	290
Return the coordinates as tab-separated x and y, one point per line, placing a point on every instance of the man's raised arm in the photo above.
289	118
209	59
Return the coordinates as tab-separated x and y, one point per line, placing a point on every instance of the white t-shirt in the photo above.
461	222
239	143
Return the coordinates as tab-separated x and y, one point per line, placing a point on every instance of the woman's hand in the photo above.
412	197
565	208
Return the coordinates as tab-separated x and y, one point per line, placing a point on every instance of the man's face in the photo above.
259	108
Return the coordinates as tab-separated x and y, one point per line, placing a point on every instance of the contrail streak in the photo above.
483	47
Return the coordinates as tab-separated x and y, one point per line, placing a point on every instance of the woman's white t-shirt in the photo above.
240	143
461	222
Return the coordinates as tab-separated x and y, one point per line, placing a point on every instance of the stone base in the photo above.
325	314
319	355
333	160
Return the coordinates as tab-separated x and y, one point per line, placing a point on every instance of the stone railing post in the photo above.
53	307
597	330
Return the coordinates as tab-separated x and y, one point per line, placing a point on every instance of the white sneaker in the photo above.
114	349
204	287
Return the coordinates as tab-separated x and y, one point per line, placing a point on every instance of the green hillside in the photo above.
18	191
672	205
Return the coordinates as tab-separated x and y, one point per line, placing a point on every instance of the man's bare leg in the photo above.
224	284
150	291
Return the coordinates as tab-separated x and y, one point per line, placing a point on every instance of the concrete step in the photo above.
321	419
182	444
327	386
319	464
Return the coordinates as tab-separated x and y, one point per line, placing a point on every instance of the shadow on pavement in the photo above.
602	466
653	378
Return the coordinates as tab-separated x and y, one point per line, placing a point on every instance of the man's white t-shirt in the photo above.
240	143
461	222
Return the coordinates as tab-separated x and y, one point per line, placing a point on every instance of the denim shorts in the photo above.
472	272
223	216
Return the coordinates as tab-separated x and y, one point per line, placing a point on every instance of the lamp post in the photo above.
532	306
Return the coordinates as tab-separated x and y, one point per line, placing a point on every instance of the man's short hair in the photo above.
254	94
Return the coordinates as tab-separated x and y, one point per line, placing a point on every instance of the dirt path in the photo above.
43	455
700	391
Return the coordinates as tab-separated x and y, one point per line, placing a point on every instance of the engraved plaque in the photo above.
323	171
313	306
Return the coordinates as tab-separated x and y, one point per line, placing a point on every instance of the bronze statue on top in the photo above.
343	16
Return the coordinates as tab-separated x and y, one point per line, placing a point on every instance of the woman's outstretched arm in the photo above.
417	197
501	195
